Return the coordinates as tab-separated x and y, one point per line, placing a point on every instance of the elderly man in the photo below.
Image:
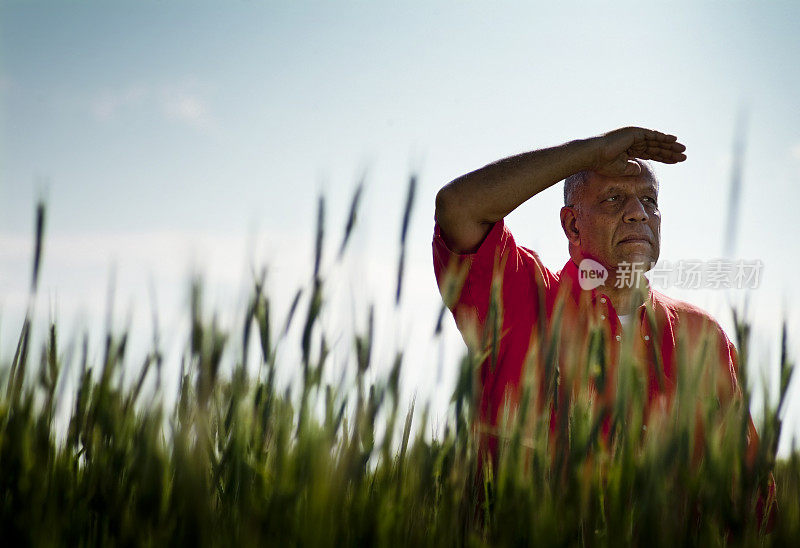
613	224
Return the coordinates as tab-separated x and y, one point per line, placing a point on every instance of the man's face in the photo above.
618	220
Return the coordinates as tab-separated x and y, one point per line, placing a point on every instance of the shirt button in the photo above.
602	316
619	338
647	337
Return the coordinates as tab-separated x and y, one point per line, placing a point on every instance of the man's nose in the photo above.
635	211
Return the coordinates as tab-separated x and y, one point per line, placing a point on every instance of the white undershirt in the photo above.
626	320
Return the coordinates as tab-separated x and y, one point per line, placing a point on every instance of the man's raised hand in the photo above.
617	149
467	207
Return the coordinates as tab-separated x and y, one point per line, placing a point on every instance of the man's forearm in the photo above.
467	206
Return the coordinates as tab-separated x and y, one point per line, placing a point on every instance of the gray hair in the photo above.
572	186
575	182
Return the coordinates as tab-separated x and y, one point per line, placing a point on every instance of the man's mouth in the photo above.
636	240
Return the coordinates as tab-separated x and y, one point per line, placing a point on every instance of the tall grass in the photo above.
238	461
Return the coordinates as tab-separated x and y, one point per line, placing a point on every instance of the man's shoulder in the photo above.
530	254
687	315
497	247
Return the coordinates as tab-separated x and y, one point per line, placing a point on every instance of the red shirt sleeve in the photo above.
521	287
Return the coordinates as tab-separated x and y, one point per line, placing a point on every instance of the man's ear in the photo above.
569	224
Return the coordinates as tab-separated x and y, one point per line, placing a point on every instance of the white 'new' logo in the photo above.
591	274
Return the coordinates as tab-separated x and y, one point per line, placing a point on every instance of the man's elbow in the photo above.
460	232
447	213
446	203
450	217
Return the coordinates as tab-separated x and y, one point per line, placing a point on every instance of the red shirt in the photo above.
527	299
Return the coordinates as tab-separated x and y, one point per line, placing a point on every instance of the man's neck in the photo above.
626	286
632	293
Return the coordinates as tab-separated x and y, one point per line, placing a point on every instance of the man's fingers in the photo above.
663	141
643	143
659	151
662	154
668	159
660	145
660	137
665	152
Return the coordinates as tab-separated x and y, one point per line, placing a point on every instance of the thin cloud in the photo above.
188	108
109	104
795	151
175	103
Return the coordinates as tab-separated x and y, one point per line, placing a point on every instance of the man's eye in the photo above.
612	198
651	200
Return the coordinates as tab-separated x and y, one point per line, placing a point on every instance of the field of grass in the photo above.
238	460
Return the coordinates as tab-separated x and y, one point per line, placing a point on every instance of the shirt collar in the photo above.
569	274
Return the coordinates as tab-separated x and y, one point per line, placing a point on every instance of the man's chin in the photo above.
643	262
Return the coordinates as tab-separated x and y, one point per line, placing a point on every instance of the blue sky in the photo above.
171	136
